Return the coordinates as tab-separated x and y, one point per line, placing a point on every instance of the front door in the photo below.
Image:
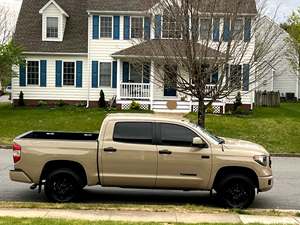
180	164
170	81
129	159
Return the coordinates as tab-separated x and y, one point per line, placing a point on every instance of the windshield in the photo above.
202	130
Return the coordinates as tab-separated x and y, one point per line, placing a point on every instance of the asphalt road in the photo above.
284	195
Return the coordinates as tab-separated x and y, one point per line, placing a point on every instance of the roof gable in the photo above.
56	5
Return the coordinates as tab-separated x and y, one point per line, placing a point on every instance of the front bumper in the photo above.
265	183
19	176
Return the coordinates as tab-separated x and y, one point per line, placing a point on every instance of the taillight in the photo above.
16	152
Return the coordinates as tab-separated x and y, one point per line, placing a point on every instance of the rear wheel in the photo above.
62	185
236	191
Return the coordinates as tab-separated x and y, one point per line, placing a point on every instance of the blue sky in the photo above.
285	7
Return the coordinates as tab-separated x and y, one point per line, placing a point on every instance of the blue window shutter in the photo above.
116	27
125	72
58	73
247	32
95	27
215	77
22	75
147	28
216	30
95	73
158	26
146	73
226	29
43	73
246	75
126	27
115	74
79	74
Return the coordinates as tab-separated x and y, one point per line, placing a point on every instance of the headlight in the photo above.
261	159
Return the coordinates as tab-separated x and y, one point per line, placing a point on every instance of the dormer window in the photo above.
52	27
54	22
106	27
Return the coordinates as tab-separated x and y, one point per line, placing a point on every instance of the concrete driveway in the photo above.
4	99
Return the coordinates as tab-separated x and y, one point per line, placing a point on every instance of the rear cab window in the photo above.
133	132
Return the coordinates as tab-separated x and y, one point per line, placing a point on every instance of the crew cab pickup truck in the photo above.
142	151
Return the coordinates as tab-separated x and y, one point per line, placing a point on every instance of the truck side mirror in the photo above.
197	141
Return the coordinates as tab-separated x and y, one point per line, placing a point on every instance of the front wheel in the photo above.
236	191
62	186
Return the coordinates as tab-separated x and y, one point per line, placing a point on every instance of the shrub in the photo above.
238	102
135	106
42	103
21	99
101	102
210	109
61	103
81	104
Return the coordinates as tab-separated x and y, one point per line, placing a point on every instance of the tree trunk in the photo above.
201	113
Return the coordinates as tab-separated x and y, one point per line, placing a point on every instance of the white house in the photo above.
75	48
279	75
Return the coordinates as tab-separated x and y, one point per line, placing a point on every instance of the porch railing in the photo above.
135	91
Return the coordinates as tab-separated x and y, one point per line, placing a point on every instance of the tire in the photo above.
236	191
62	185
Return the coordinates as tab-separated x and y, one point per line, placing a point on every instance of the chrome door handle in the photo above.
110	150
165	152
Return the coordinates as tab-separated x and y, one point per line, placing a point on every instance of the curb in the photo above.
139	216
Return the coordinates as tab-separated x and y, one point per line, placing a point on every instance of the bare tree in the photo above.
5	25
198	39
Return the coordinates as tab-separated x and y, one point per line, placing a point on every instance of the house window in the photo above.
136	73
105	74
137	27
205	29
238	28
105	27
235	76
171	27
52	27
69	73
32	73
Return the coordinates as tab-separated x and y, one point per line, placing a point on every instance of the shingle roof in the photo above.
29	28
163	48
219	6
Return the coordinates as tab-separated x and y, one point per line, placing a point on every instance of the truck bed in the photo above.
59	136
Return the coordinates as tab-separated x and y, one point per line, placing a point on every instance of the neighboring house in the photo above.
75	48
279	75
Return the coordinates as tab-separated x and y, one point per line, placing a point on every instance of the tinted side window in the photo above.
176	135
133	132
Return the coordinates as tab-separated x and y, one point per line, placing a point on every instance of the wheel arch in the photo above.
229	170
59	164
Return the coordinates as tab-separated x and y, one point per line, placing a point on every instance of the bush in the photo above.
135	106
21	99
61	103
210	109
101	102
238	102
42	103
81	104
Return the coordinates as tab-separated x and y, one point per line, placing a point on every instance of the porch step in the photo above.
161	106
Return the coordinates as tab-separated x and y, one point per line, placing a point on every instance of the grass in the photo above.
185	208
277	129
40	221
15	121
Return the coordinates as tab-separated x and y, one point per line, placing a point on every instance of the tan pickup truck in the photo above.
142	151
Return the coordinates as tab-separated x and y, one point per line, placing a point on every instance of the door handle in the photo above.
110	150
165	152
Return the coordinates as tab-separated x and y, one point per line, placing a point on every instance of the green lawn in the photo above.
15	121
277	129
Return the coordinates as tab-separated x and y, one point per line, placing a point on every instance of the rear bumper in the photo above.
265	183
19	176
